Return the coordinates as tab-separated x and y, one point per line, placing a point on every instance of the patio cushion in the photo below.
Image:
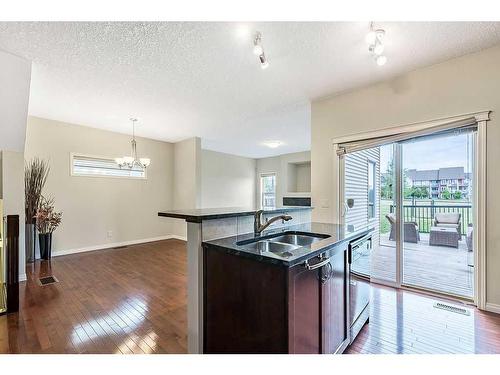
448	218
444	225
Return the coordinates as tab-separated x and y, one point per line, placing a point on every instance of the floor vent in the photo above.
450	308
47	280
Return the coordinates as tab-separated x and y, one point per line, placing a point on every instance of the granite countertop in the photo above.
337	234
197	215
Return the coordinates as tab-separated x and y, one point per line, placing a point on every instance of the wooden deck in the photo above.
439	268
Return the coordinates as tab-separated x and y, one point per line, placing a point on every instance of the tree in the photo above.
423	192
457	195
387	181
445	194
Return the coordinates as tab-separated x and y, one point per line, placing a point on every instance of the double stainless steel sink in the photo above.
282	244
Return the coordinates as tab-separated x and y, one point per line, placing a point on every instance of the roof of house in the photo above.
450	173
424	175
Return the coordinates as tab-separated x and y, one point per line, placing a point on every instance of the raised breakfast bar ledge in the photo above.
207	224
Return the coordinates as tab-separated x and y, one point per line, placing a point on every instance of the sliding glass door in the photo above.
417	193
437	213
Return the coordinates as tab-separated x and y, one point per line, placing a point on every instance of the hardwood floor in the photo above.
128	300
403	322
133	300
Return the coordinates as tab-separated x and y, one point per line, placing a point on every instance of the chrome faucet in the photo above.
258	227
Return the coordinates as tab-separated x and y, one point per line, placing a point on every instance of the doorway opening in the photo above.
418	194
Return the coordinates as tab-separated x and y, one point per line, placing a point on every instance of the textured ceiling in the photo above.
202	79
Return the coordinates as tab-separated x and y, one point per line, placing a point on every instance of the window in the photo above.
82	165
268	190
371	189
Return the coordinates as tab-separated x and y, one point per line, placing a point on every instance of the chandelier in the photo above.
133	161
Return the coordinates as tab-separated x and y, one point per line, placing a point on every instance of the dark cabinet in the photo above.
334	301
304	310
252	306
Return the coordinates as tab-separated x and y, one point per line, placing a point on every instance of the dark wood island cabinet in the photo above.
256	306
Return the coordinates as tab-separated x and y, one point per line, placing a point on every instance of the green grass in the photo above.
385	208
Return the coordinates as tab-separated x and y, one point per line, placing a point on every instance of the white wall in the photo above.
92	206
13	197
186	179
303	175
463	85
279	165
15	78
227	180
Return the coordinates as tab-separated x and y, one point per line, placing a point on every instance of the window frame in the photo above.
73	174
371	162
267	174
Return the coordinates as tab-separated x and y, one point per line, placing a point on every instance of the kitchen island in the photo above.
213	223
226	236
286	290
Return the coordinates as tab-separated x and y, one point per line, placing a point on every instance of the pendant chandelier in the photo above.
133	161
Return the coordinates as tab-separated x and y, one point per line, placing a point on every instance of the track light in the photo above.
370	37
375	39
258	50
381	60
263	61
257	44
378	49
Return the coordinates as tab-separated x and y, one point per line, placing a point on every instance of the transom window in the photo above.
92	166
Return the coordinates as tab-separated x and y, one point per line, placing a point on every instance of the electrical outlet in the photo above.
110	233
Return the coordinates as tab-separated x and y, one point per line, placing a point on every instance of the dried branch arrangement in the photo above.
47	220
35	176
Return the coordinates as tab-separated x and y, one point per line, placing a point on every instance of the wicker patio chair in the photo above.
411	231
448	220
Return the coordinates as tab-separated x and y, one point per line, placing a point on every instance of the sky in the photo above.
433	153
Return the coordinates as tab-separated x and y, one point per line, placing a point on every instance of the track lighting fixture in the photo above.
375	40
258	50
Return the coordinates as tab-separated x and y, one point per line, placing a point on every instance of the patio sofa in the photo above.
411	231
448	220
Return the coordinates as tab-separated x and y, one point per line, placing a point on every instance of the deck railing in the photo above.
423	215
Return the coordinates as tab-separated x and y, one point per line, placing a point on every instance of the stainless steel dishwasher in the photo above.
359	286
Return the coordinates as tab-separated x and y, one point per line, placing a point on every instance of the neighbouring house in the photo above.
439	181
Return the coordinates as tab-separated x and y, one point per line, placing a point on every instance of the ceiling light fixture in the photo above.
272	144
258	50
381	60
133	161
375	40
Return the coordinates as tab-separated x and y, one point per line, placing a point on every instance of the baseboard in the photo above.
176	237
22	277
493	307
116	244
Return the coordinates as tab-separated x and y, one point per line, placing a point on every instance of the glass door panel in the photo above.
369	177
384	259
437	212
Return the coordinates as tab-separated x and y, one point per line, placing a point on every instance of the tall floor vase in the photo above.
30	242
45	245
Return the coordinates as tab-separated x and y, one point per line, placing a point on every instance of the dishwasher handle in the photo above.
315	266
